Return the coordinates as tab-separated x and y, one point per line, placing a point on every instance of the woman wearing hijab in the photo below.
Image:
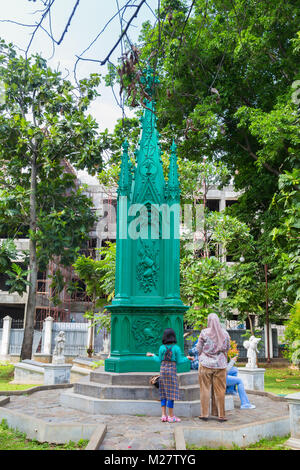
213	346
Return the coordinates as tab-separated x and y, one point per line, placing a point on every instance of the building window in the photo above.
230	202
213	205
3	279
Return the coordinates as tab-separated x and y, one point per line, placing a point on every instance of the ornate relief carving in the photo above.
147	268
147	333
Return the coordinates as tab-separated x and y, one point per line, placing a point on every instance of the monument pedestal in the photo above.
294	406
55	374
33	372
253	379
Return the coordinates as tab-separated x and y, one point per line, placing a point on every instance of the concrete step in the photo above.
99	406
139	378
131	392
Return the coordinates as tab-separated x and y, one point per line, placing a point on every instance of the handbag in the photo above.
154	380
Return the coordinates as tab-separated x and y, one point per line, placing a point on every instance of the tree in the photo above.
201	282
224	62
228	91
98	276
203	278
44	128
292	335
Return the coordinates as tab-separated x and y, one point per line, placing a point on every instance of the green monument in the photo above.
147	292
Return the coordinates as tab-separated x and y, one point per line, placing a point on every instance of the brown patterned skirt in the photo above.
168	381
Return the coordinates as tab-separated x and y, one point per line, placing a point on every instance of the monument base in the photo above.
138	329
132	394
253	379
293	400
36	373
135	363
55	374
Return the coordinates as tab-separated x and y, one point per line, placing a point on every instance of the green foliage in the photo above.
126	128
292	335
228	73
43	124
232	235
17	281
285	235
45	133
201	282
247	290
8	252
202	279
17	274
99	278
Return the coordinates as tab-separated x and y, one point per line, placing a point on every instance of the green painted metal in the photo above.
147	292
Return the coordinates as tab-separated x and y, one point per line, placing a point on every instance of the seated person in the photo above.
233	382
194	352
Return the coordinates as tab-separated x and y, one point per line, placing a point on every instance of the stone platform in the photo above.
33	372
131	394
41	415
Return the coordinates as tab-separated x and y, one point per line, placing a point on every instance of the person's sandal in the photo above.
221	420
204	418
173	419
164	419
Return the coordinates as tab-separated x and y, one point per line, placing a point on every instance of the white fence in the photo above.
77	338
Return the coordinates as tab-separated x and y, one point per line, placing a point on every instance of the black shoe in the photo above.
203	418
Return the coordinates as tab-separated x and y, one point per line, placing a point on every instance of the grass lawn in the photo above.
7	375
15	440
282	381
274	443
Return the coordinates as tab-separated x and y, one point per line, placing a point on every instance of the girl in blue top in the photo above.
169	356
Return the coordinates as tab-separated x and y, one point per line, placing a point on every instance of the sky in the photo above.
89	19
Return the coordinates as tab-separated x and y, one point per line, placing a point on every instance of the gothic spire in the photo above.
124	180
149	183
173	181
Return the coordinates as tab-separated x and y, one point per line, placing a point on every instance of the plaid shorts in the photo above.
168	381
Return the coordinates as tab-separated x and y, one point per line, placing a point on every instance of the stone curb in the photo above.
180	443
293	444
38	429
37	388
42	431
233	432
270	395
179	439
97	437
4	400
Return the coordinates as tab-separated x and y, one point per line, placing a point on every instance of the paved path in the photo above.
138	432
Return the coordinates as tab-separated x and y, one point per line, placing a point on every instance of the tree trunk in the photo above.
26	350
250	323
91	345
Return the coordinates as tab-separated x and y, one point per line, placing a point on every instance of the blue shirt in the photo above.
177	355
